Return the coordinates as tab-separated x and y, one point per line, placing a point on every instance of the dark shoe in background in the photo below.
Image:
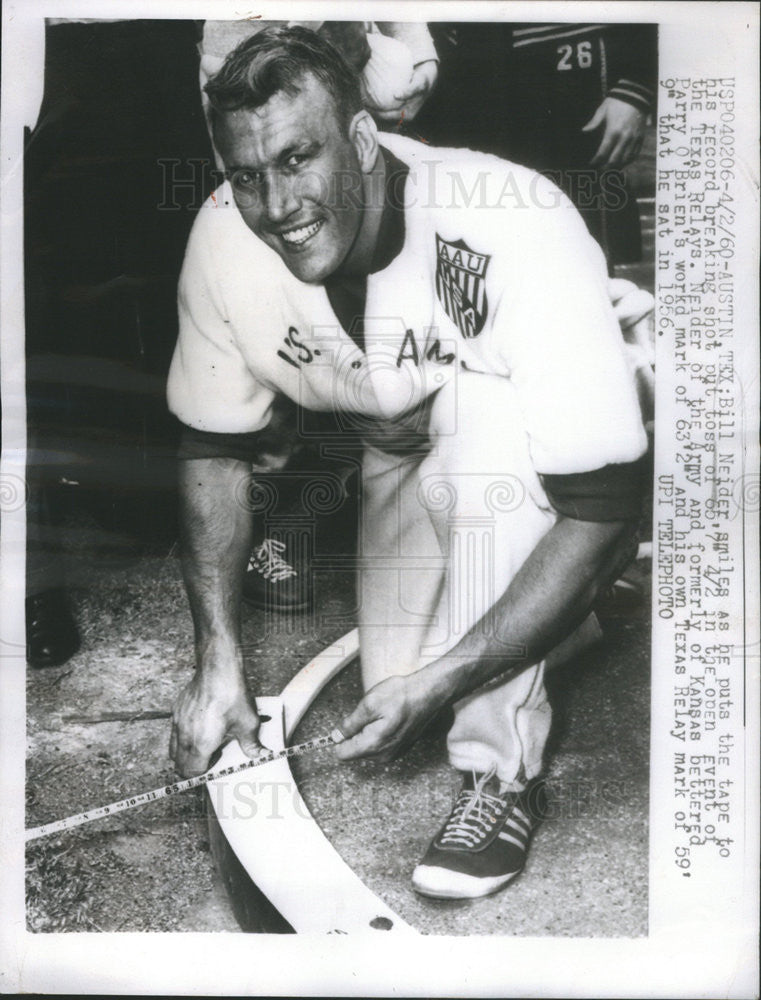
51	633
274	583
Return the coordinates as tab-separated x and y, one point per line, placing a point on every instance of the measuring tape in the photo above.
319	743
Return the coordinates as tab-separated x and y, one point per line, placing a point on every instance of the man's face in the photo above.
296	178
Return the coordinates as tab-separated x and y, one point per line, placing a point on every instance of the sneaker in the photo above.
271	582
484	843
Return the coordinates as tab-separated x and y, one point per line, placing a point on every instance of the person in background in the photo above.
569	100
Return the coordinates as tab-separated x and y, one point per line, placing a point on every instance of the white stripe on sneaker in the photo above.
522	816
522	823
513	840
517	826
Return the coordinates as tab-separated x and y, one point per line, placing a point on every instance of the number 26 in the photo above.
583	56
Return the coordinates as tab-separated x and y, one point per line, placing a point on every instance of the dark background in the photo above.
105	231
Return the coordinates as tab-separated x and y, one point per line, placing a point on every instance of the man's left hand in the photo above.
622	132
389	718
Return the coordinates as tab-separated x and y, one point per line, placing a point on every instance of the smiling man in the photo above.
456	307
286	161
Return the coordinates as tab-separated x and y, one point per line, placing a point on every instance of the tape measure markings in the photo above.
133	801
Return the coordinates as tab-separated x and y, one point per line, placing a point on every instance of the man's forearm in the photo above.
550	595
214	705
216	536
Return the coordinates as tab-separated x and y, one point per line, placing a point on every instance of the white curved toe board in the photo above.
306	685
277	840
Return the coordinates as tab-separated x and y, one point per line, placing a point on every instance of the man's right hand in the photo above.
211	709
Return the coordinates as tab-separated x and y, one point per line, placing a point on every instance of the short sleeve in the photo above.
559	340
211	388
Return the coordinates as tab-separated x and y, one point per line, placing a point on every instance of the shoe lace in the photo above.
474	815
267	560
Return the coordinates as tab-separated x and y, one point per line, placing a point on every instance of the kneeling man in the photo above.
455	306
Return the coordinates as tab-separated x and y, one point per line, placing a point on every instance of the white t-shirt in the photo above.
497	274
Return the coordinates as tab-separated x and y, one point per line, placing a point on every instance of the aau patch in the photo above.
461	286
